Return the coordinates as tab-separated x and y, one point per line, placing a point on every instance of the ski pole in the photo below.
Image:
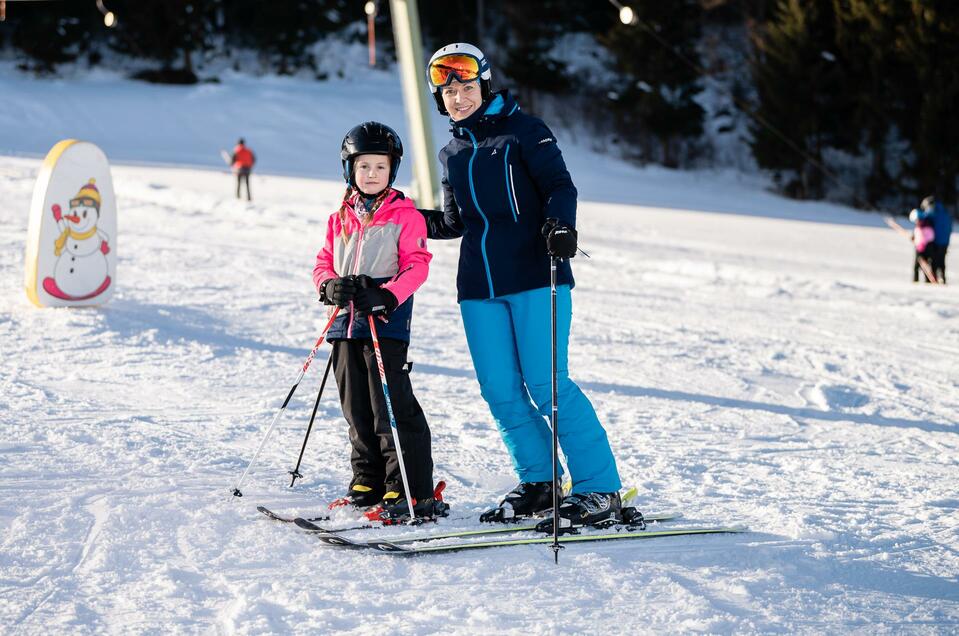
554	415
389	410
276	418
296	470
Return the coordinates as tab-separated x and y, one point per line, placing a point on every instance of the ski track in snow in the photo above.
778	372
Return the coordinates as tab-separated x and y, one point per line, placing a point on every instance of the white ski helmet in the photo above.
440	75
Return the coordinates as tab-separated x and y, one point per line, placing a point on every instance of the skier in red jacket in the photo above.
242	161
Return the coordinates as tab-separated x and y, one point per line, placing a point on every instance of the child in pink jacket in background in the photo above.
373	260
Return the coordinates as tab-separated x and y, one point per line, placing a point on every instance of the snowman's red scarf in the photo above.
78	236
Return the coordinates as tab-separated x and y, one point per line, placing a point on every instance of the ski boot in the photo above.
593	509
359	496
394	509
529	498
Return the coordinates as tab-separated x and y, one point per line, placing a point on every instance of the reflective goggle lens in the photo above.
465	68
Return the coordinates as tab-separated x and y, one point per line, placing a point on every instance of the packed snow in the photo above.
755	361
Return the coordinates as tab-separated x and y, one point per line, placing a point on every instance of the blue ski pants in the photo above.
509	340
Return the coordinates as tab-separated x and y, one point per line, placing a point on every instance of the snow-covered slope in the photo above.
755	361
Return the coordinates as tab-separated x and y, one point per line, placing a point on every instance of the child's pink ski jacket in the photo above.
391	249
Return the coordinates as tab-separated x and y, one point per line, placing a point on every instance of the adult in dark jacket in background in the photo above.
507	193
242	161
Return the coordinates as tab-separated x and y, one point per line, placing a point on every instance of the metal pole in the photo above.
409	52
554	416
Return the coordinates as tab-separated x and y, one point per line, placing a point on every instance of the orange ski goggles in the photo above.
459	66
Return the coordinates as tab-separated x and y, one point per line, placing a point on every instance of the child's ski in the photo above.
277	517
310	523
395	548
307	524
332	538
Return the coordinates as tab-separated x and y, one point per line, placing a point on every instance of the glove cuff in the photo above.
326	300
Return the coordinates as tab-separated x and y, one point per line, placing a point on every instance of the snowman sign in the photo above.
71	240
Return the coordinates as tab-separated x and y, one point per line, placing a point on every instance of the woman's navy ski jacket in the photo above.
503	176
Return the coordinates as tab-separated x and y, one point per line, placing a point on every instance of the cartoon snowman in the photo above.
81	270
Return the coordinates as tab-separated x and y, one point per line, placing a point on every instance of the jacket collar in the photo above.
498	107
392	197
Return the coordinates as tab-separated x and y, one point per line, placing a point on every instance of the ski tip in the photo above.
335	539
386	546
300	522
271	515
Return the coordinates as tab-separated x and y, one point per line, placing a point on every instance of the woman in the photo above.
508	194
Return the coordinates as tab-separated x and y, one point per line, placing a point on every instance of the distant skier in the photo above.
508	194
242	161
923	235
932	213
374	258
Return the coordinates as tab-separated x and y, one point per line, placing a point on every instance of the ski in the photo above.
396	548
333	538
277	517
310	526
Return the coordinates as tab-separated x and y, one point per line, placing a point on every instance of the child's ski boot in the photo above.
395	510
360	496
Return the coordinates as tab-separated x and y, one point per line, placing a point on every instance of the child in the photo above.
923	237
373	260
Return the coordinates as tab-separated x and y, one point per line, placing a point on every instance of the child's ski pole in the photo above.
276	418
389	410
296	470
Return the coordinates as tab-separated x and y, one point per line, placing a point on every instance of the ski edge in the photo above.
395	548
507	529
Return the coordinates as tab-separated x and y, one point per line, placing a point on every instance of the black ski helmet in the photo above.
370	138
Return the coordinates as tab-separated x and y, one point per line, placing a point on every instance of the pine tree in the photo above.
929	43
169	31
51	34
653	96
803	107
284	30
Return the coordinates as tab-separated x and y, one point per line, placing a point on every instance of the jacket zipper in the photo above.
510	186
356	265
489	275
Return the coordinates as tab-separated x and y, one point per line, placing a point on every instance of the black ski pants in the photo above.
373	456
939	262
929	254
243	176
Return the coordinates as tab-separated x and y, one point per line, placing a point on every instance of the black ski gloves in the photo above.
560	239
368	298
339	291
373	301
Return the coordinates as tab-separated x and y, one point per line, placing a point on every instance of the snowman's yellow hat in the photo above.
88	192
